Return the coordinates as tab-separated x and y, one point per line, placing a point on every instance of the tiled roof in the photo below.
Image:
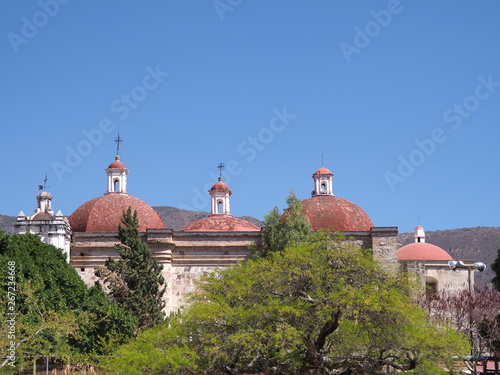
323	170
103	214
422	251
221	223
220	186
334	213
117	164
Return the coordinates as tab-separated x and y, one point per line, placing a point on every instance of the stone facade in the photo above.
186	256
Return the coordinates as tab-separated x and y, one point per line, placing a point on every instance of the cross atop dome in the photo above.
220	167
118	140
44	186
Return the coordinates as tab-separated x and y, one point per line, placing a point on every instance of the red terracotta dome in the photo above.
220	186
220	223
117	164
422	251
323	170
103	214
334	213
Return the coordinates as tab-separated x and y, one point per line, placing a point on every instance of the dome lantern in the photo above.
419	234
117	177
323	180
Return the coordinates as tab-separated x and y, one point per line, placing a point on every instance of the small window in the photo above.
82	269
116	187
431	287
323	188
219	207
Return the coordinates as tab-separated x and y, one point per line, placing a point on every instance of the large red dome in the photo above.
220	223
103	214
422	251
334	213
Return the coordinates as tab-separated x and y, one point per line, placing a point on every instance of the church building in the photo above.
220	239
52	229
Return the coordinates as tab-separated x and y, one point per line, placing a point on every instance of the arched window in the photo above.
431	286
116	185
323	188
219	207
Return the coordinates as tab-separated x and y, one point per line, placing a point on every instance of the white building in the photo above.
52	229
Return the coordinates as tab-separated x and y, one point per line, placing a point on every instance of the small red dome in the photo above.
422	251
323	170
220	223
117	164
220	186
103	214
334	213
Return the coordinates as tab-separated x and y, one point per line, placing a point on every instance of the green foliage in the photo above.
135	280
59	286
108	324
156	351
315	308
280	232
55	313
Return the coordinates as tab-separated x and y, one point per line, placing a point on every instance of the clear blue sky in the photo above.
401	97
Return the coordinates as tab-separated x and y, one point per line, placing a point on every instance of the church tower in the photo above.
323	181
52	229
419	234
219	194
117	177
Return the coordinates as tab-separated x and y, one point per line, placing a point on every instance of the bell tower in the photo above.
117	177
117	172
323	181
219	194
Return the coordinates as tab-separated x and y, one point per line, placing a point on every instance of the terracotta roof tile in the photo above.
103	214
422	251
221	223
334	213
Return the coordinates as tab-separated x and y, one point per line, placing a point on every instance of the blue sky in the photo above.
402	98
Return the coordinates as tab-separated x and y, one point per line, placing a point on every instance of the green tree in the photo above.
108	325
314	308
281	231
55	313
135	279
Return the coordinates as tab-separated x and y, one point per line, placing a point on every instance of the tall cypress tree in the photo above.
135	280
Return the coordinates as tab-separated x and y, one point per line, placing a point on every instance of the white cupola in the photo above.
220	194
419	234
323	181
117	177
44	200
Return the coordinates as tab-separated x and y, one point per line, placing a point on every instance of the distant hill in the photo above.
7	223
479	244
